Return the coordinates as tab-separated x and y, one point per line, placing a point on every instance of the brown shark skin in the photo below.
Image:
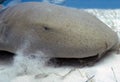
57	31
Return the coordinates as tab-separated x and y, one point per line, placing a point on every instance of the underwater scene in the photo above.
59	41
101	4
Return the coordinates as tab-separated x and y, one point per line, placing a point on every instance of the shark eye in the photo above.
46	28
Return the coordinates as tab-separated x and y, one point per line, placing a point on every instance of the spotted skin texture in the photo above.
58	32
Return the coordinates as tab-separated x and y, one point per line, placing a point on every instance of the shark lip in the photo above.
76	62
4	55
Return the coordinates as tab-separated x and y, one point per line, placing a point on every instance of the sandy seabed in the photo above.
29	69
